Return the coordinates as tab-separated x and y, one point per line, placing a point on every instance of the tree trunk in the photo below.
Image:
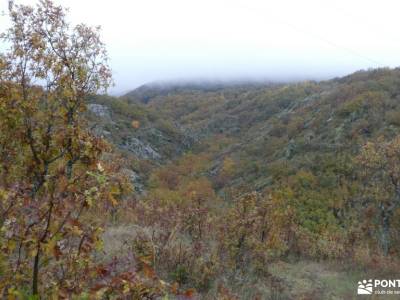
35	277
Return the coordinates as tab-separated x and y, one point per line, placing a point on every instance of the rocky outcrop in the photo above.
100	110
140	149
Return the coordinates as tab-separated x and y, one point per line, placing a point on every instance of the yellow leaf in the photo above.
76	230
135	124
113	201
100	167
32	252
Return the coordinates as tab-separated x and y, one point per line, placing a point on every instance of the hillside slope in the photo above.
253	182
269	124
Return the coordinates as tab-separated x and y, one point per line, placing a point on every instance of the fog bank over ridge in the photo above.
284	40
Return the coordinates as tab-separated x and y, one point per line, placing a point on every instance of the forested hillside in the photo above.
188	191
304	171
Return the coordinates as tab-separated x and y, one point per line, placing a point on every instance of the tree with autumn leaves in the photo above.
52	173
58	180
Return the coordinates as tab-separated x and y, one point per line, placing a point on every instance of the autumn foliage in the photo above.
53	173
272	174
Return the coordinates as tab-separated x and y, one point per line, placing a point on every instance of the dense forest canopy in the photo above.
188	191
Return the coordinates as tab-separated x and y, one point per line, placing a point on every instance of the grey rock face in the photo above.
140	149
100	110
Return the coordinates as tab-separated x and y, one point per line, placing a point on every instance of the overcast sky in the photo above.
159	40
